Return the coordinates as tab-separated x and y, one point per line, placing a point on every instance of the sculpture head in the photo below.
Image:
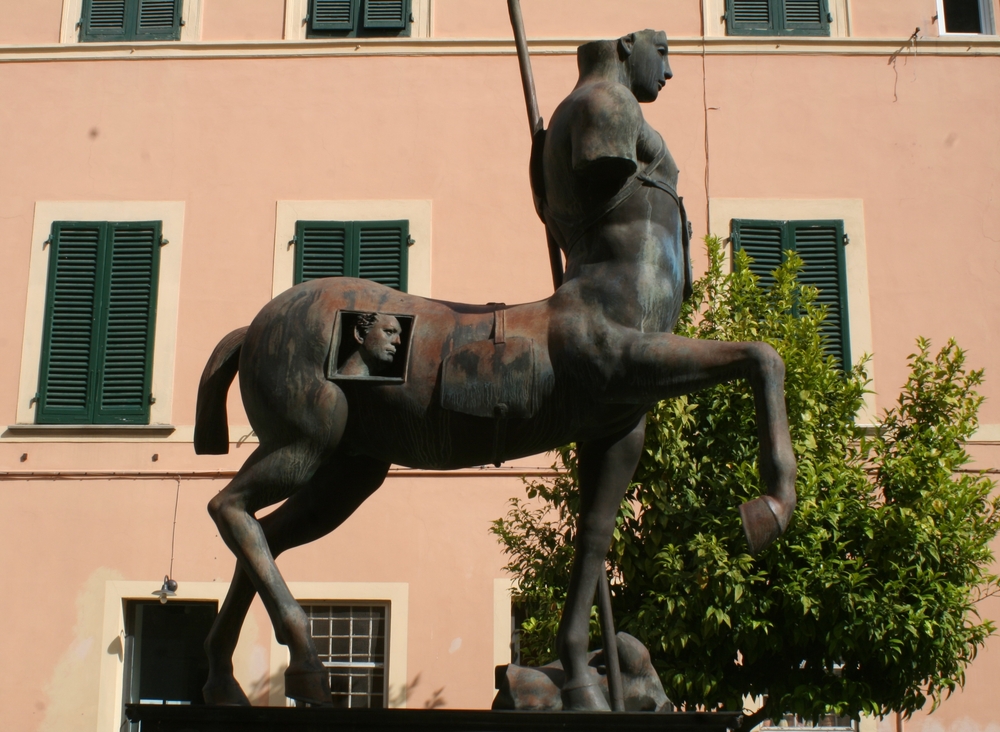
638	60
645	56
377	336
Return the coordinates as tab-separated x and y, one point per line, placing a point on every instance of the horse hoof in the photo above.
585	696
309	686
760	523
224	693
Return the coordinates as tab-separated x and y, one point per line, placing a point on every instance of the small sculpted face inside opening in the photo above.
377	337
648	66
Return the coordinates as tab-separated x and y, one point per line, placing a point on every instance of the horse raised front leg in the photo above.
667	365
333	494
605	468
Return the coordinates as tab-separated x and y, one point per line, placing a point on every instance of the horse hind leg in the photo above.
333	494
272	474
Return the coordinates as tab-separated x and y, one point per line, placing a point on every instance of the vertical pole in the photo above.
610	644
524	61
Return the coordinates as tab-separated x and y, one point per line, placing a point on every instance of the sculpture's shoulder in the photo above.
600	104
598	122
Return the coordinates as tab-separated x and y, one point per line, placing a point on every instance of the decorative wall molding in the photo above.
965	46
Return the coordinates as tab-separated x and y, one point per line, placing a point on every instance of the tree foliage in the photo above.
866	605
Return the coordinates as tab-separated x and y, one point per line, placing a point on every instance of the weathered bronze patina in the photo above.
487	383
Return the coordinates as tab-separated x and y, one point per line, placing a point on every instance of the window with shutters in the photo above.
820	245
131	20
965	17
354	18
373	250
778	17
100	314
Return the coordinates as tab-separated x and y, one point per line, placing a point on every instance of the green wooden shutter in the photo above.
68	341
806	18
820	245
125	352
763	241
382	252
105	20
323	249
392	14
750	17
333	14
158	20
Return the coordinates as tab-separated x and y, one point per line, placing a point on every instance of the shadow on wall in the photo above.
436	700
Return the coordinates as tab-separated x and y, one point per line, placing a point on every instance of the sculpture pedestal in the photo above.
156	718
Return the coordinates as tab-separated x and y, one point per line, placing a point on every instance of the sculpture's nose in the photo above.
667	73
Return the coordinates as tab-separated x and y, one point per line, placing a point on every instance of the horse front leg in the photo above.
605	469
664	365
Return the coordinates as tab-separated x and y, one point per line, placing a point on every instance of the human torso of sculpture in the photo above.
486	383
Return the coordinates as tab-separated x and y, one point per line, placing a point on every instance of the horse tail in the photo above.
211	422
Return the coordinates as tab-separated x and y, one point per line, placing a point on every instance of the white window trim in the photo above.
714	11
987	20
396	595
191	16
418	213
852	212
171	214
296	11
116	592
503	588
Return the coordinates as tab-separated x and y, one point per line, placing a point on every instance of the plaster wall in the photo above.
243	20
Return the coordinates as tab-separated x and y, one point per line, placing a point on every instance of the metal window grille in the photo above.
351	642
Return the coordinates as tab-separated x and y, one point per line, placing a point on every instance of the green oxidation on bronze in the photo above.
488	383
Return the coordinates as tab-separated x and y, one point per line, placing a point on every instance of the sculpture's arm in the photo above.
605	130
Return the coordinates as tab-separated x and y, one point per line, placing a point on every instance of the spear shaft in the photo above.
524	61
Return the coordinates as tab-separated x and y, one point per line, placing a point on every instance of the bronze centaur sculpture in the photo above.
480	384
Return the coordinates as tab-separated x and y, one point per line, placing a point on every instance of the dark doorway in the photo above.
165	661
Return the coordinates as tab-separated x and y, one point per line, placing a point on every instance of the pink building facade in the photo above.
226	123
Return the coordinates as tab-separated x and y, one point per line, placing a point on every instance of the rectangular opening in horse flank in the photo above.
347	353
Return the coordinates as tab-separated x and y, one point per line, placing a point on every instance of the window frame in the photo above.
395	595
171	216
417	212
777	25
987	21
332	666
852	212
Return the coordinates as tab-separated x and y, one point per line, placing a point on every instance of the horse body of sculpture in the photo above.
488	383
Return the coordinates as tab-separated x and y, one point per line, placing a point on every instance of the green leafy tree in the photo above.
866	605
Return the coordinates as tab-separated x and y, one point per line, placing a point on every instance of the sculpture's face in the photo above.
648	65
382	339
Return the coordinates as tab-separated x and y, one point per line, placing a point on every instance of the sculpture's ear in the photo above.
358	335
625	46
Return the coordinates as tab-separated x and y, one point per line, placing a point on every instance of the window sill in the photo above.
89	430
